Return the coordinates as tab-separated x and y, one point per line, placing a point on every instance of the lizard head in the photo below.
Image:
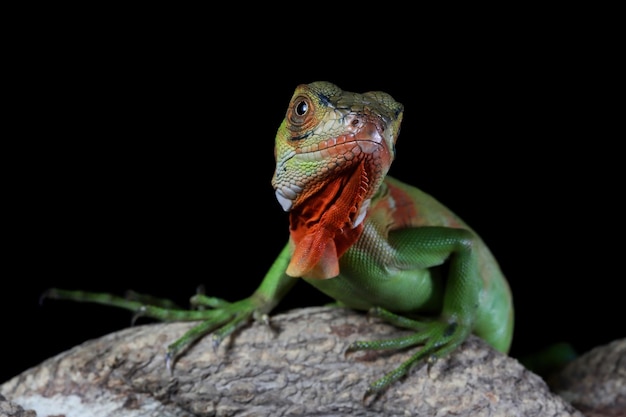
332	150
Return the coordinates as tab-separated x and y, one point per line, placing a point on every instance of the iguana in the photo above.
369	241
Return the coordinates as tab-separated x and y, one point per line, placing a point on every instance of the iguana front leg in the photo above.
422	248
215	315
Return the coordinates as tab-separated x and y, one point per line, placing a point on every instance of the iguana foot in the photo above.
437	338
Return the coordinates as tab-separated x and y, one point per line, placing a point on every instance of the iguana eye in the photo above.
300	113
301	107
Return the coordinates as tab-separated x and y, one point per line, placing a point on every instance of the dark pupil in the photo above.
301	108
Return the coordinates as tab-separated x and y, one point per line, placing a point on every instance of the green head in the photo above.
328	132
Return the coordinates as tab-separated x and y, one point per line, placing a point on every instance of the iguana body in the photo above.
367	240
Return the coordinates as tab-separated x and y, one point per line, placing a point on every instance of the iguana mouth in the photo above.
338	155
320	160
343	144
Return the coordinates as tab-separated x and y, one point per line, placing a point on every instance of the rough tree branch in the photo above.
298	368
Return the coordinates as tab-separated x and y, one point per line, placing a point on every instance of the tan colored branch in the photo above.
297	369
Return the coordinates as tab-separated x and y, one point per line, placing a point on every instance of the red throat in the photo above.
321	228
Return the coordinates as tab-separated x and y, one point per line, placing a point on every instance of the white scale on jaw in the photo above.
286	194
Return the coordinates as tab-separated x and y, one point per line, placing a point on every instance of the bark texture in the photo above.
10	409
297	368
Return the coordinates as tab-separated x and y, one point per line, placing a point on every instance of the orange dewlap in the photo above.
321	229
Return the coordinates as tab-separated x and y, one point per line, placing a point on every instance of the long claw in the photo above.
216	342
44	295
168	363
138	314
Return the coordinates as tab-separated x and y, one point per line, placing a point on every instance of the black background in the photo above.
144	162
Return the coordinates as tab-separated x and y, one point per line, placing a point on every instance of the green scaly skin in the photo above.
368	240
